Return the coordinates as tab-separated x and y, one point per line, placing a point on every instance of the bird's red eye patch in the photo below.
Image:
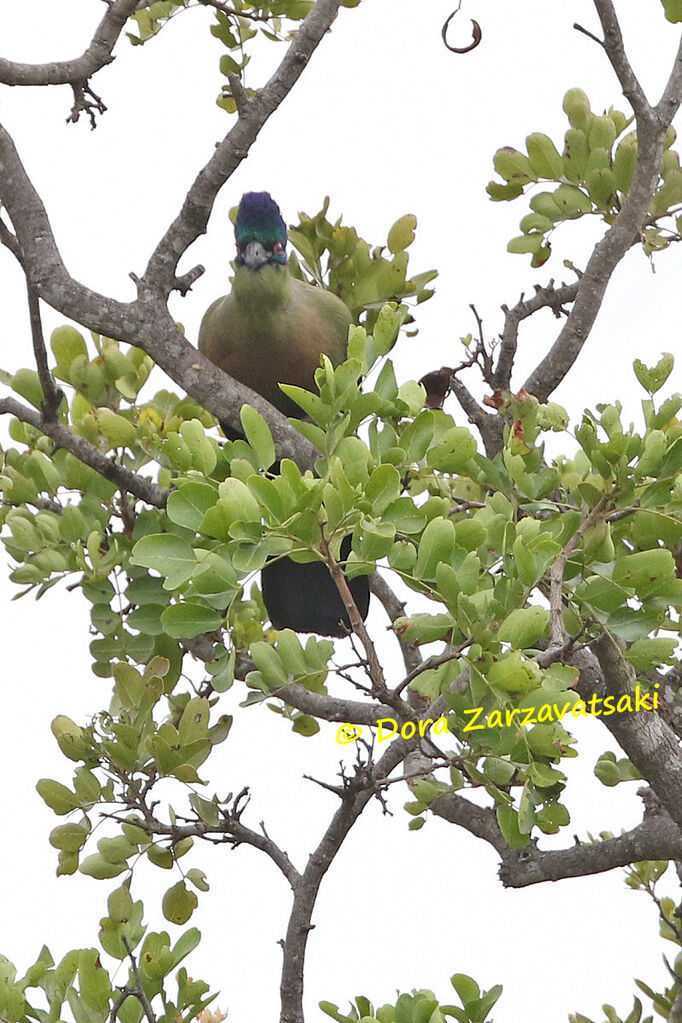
278	248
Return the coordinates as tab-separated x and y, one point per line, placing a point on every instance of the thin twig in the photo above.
556	575
140	992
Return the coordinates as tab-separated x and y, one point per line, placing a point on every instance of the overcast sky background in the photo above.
385	121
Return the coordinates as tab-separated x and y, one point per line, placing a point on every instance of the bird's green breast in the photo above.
272	329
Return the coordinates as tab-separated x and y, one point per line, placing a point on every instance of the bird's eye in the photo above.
278	248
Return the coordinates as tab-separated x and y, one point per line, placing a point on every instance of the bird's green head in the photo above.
260	232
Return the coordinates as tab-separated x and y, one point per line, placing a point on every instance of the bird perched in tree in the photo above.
272	329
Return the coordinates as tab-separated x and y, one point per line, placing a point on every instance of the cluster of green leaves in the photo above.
365	277
236	23
181	572
423	1006
81	981
593	175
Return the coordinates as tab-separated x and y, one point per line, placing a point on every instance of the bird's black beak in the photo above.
255	256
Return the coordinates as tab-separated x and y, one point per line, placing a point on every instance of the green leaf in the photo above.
167	554
67	343
401	235
647	654
57	796
653	379
524	626
673	10
436	546
466	988
96	866
179	903
258	435
189	503
383	488
508	819
189	619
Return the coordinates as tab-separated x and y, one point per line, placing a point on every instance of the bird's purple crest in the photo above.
259	219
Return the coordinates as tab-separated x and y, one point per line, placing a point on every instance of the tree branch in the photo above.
615	50
556	579
78	70
357	794
544	298
646	739
52	396
490	427
332	708
656	838
87	453
652	125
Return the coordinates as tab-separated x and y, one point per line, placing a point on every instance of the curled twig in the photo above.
476	32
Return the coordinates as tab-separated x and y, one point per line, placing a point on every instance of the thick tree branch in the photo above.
78	70
87	453
656	838
357	794
652	124
332	708
646	739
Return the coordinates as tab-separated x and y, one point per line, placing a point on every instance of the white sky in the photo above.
386	121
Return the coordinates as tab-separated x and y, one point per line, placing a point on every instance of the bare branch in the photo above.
615	50
80	69
230	829
434	661
332	708
356	796
85	101
87	453
184	284
146	323
548	297
376	672
52	396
